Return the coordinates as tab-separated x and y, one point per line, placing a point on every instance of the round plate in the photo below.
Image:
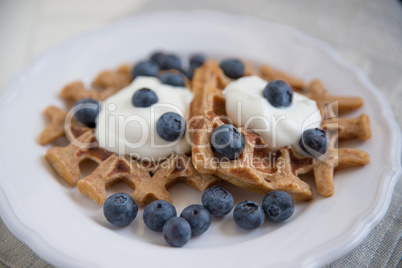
68	229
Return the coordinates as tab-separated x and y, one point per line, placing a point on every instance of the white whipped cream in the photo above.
246	107
125	129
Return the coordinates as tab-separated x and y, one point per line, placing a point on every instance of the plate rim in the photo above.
339	248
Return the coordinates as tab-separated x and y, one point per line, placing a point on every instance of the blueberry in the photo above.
158	57
278	93
171	62
190	72
248	215
197	60
86	111
120	209
177	232
171	126
198	217
144	97
157	213
146	68
314	141
227	141
217	200
278	206
173	79
232	68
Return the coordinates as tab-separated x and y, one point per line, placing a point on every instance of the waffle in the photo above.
258	169
150	181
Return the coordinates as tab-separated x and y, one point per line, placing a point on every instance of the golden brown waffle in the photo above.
208	112
150	181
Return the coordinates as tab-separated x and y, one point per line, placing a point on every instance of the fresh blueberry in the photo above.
158	57
278	93
232	68
278	206
227	141
198	217
144	97
217	200
190	72
177	232
171	62
173	79
171	126
314	141
120	209
248	215
197	60
157	213
146	68
86	111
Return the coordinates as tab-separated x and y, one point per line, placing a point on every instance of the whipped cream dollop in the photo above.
279	127
125	129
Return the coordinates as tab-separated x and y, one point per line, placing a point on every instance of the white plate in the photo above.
68	229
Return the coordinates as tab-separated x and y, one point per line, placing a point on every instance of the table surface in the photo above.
366	32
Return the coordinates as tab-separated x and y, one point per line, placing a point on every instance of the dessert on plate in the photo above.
156	124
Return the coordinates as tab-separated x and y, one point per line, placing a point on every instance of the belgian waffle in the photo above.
150	181
207	112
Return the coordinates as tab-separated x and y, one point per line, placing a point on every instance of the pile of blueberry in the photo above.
233	68
162	61
161	216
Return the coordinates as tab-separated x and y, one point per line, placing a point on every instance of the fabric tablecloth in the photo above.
368	33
